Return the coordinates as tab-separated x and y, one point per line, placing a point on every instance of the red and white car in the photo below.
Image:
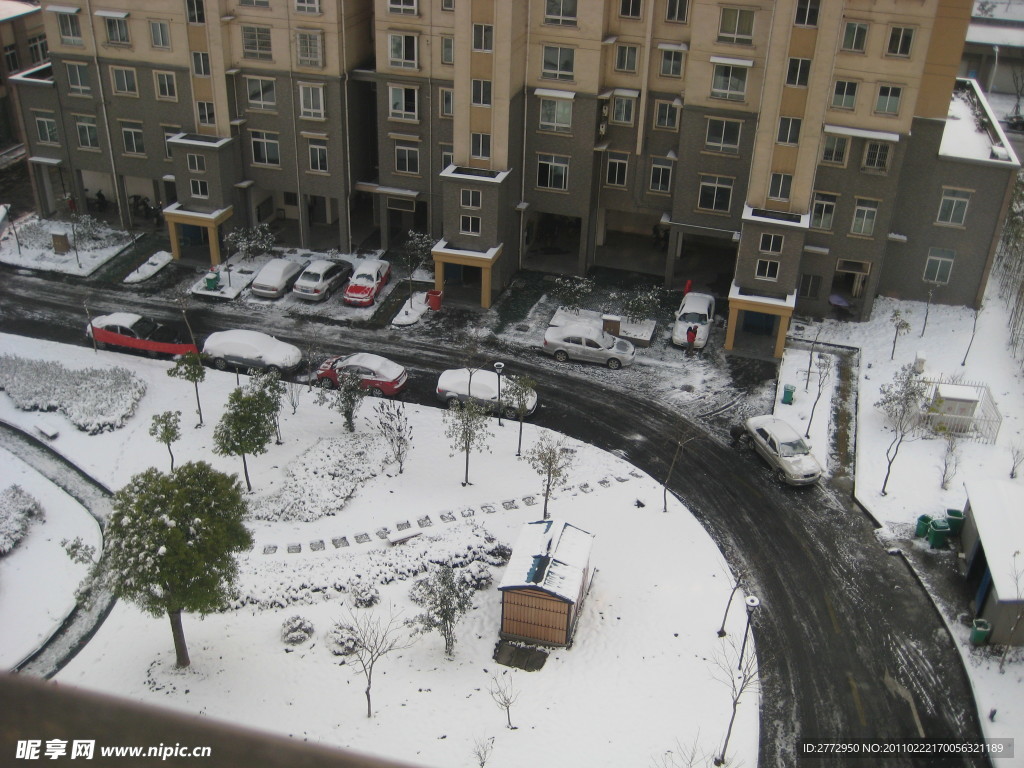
131	331
379	376
365	285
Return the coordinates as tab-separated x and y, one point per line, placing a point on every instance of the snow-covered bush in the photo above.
364	594
296	630
18	510
477	575
94	399
342	640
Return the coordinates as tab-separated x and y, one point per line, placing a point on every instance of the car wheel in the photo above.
561	355
614	364
780	475
453	402
326	383
220	363
101	345
152	353
274	369
511	413
375	392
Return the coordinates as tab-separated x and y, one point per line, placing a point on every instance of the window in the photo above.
124	81
266	148
715	193
556	115
939	265
262	92
558	63
318	155
195	11
447	155
117	31
789	130
78	79
560	12
402	51
661	175
307	6
402	6
736	25
196	163
553	172
311	102
806	13
799	71
629	8
834	149
810	286
201	63
953	208
407	157
671	63
256	3
618	165
160	34
38	49
844	95
309	49
70	29
447	102
622	110
205	113
676	11
876	156
666	115
823	210
888	100
133	141
771	243
11	58
900	40
199	187
723	136
46	130
480	146
481	93
404	104
447	5
470	198
625	58
779	186
469	225
767	269
483	37
855	35
447	49
88	137
166	86
864	215
256	43
729	82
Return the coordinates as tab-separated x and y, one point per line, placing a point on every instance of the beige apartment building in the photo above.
796	156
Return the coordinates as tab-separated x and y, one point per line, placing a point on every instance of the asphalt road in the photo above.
848	644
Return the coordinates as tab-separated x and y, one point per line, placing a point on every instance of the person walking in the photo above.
691	338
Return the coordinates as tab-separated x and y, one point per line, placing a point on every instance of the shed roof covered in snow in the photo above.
550	555
996	508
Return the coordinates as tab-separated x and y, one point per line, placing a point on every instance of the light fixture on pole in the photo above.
751	603
499	367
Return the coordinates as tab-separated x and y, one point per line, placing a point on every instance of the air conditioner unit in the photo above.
602	129
604	111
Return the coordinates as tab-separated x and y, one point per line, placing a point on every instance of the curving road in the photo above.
849	645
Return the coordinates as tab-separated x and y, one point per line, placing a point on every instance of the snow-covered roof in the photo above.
958	392
996	508
549	555
127	319
972	132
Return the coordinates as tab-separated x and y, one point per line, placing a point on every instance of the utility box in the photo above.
954	406
611	324
61	244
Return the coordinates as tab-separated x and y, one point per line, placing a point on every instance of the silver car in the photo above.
588	343
461	384
321	278
784	449
276	278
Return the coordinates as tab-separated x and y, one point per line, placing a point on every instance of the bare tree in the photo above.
932	286
166	428
394	427
345	398
736	584
1017	574
505	695
482	749
293	393
519	393
414	251
375	639
974	330
900	326
810	360
680	443
466	425
190	368
691	756
824	366
1016	457
739	681
950	457
551	460
901	403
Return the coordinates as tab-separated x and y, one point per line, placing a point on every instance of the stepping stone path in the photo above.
425	522
316	546
270	549
467	512
339	542
362	538
448	517
294	549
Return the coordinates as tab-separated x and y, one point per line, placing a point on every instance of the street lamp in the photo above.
499	367
751	604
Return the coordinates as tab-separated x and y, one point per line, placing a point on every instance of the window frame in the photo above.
117	31
844	95
160	79
195	11
889	99
861	210
823	210
307	109
256	42
555	172
767	269
623	110
626	57
483	38
404	114
316	149
840	144
480	146
734	33
789	130
721	147
807	13
471	199
206	113
403	7
195	162
49	136
877	156
730	71
446	100
802	72
447	50
671	63
560	17
124	81
936	262
199	189
264	97
558	73
630	9
780	186
616	166
672	11
469	225
311	7
136	130
857	41
91	130
406	42
270	144
716	185
160	34
482	93
201	63
809	286
75	84
660	179
956	197
901	42
555	124
309	48
38	48
662	109
69	28
775	243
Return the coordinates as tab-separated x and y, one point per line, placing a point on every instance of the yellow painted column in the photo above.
730	332
438	274
780	338
485	287
214	245
172	226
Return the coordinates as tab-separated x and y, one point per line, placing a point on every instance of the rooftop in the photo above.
972	132
551	555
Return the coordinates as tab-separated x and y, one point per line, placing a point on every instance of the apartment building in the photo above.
815	154
24	45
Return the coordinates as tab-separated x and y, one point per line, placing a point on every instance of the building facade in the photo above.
24	46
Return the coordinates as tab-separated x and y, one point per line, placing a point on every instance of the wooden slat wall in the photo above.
535	615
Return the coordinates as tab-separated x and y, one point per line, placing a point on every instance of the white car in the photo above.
784	449
696	310
321	278
276	278
481	385
589	343
251	349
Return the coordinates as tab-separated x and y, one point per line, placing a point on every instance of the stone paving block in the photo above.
294	549
467	512
529	500
404	525
585	487
510	504
425	522
383	532
362	538
448	517
339	542
270	549
316	546
488	509
605	483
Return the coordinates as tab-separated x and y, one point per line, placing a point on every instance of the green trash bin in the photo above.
212	281
955	518
980	630
787	394
938	532
922	526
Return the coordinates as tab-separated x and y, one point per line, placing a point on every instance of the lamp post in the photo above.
499	367
751	603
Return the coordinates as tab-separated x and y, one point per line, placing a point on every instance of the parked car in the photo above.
251	349
130	331
588	343
784	449
481	385
377	375
696	309
276	278
370	276
321	278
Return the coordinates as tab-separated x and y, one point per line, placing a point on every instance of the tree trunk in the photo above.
888	470
245	468
466	481
199	405
180	649
720	760
811	417
369	712
547	492
172	456
519	448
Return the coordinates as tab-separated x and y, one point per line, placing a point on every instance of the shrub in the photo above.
342	640
477	575
363	593
18	510
296	630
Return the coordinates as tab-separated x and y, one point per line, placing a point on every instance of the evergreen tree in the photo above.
394	427
572	291
166	428
445	601
466	427
251	240
901	402
551	460
190	368
518	393
268	385
246	428
345	398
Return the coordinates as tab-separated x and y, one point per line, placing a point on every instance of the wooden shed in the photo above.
545	582
993	544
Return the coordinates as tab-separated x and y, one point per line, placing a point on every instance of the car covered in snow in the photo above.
481	386
276	278
321	278
379	376
588	343
697	310
127	330
784	449
366	283
251	349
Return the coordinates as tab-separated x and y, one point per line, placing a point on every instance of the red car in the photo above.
378	375
370	277
131	331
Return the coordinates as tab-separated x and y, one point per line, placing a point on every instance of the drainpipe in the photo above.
346	81
645	86
992	72
304	223
522	167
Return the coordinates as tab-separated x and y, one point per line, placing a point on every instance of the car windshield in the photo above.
363	279
794	447
312	277
144	328
693	317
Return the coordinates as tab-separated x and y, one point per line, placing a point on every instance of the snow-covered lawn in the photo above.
28	242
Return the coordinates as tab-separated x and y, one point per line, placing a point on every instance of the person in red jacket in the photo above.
691	337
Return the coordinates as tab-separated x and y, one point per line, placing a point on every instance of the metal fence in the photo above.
981	426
